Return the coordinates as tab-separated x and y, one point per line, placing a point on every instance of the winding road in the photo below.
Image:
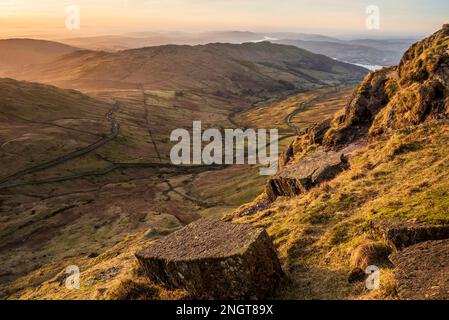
287	120
115	129
302	107
13	180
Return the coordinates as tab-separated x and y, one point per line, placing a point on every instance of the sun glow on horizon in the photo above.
20	17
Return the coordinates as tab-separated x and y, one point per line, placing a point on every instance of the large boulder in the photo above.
214	260
308	172
422	271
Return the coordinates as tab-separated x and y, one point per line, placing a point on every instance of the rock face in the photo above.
214	260
398	97
312	135
365	103
309	171
422	271
401	234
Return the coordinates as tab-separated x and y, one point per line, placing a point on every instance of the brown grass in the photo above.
369	253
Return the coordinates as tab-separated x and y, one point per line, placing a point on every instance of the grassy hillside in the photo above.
404	176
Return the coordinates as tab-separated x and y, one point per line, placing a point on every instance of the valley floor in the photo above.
73	210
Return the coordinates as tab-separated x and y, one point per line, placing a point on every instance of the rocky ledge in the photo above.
401	234
214	260
309	171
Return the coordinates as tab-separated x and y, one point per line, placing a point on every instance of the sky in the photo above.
27	17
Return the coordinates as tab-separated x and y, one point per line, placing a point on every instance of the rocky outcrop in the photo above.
388	99
253	209
422	271
421	90
214	260
309	171
313	135
401	234
398	97
366	102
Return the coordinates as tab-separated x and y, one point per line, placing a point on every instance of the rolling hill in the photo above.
369	52
249	69
19	53
97	209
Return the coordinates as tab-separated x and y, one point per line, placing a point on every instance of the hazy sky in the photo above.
21	17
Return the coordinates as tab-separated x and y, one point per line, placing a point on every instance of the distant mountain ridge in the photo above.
248	69
135	40
383	52
362	51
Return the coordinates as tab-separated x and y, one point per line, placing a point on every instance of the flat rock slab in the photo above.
401	234
422	271
214	259
308	172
